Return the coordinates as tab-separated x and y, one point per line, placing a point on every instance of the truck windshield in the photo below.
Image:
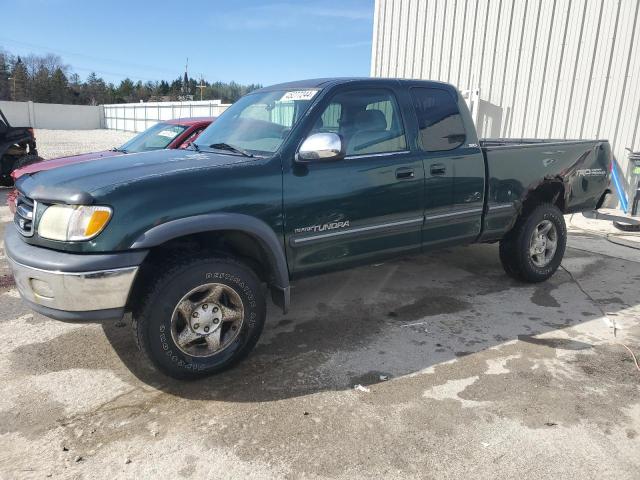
155	138
258	123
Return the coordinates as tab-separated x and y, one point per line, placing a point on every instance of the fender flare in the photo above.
212	222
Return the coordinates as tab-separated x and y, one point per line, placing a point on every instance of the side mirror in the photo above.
322	147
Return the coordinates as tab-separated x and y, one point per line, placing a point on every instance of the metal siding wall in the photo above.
375	57
545	68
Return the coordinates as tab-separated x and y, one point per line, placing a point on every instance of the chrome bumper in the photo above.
73	291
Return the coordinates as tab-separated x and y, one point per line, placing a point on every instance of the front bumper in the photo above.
68	286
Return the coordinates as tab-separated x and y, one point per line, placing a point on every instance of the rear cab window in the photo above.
440	125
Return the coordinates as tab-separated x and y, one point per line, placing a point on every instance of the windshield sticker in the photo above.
298	95
167	133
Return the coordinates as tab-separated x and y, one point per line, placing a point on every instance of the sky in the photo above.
248	41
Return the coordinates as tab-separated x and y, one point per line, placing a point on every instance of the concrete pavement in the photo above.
463	372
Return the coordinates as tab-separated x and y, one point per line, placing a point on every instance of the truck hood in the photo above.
78	183
61	161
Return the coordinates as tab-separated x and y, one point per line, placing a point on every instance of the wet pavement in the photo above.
463	372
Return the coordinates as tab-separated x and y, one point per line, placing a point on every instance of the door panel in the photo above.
454	169
468	191
454	203
343	213
364	207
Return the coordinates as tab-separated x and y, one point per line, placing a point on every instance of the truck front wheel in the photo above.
200	316
532	251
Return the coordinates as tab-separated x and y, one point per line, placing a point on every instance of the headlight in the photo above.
70	223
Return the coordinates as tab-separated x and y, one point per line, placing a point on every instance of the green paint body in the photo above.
476	200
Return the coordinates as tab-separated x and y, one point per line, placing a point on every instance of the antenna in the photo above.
185	80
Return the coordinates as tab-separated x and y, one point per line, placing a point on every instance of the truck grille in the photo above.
25	215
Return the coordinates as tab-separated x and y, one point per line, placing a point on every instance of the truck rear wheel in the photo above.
200	316
532	251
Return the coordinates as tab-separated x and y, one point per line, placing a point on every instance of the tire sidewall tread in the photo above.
152	322
514	248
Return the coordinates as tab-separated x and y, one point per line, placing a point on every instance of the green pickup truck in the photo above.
292	180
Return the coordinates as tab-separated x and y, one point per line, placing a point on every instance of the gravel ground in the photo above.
462	373
61	143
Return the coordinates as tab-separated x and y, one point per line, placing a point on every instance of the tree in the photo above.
5	90
75	89
19	82
59	87
47	79
95	91
41	86
126	90
164	88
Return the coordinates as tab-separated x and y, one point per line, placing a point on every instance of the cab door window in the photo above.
368	120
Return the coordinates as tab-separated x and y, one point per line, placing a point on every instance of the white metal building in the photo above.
542	68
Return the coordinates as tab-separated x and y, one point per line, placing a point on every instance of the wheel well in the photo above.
237	244
548	192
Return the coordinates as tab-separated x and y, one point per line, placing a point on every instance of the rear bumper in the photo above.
69	286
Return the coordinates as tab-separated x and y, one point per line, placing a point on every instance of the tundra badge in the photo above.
323	227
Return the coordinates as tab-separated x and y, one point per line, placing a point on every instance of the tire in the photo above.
517	246
159	325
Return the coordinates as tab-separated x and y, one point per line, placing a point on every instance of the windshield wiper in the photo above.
230	148
118	149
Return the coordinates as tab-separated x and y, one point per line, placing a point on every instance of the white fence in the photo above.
133	117
137	117
53	115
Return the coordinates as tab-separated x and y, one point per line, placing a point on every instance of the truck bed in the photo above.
576	170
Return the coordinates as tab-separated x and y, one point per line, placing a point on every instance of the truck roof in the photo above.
326	82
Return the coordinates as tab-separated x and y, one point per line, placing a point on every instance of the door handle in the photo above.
438	169
404	173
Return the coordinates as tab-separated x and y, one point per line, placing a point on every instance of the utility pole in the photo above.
13	94
202	86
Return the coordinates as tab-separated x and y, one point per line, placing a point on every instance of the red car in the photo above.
171	134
